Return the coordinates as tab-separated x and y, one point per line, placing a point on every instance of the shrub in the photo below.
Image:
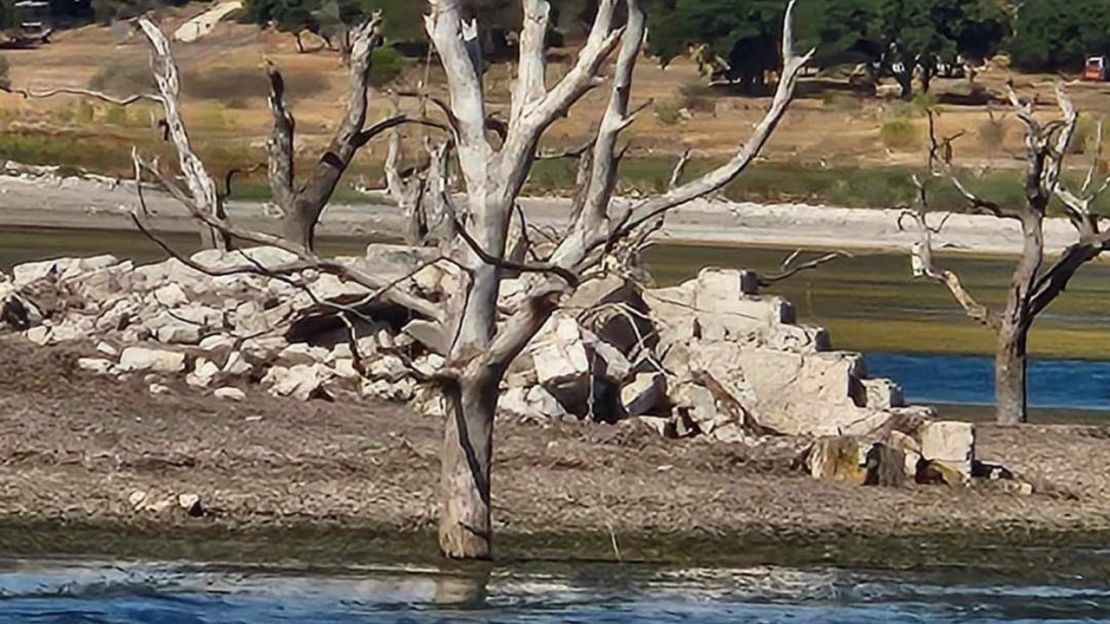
697	97
388	65
922	103
116	115
86	112
669	113
123	79
840	102
898	134
1085	139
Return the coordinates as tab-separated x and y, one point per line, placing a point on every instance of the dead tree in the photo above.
1035	282
303	204
477	336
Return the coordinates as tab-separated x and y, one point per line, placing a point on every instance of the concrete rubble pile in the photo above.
712	357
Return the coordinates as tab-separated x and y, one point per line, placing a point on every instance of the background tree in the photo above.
1034	283
743	34
917	36
1055	36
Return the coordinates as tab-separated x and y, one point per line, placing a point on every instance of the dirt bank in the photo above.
74	447
73	202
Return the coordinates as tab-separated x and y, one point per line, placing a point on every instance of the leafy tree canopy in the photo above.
1051	35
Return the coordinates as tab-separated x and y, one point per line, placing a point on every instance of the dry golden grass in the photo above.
226	108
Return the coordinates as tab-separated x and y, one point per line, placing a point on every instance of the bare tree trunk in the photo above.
465	530
905	80
1011	399
300	225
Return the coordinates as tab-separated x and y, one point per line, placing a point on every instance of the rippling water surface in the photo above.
103	593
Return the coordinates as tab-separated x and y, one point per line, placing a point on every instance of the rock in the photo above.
136	499
229	393
662	425
236	364
885	466
883	394
991	472
698	404
428	334
107	349
936	472
39	335
533	403
341	351
304	353
302	382
580	370
60	268
170	296
141	359
644	393
617	313
204	370
345	368
191	504
158	389
838	458
96	366
178	333
949	442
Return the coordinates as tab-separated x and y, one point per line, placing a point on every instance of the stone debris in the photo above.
712	357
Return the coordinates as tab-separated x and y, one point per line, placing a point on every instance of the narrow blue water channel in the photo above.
969	380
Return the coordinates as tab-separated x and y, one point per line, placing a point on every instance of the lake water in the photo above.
118	593
969	380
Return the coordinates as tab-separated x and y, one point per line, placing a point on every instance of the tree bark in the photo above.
299	226
465	530
905	81
1011	398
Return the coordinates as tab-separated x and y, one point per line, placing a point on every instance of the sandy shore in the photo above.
80	203
75	447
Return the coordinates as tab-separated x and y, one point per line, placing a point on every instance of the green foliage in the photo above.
387	66
898	134
743	33
668	112
1055	36
115	115
85	113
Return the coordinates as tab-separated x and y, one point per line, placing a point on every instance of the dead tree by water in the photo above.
1036	280
477	335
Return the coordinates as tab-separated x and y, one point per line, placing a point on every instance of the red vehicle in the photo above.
1096	69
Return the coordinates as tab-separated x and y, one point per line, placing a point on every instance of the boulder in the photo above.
838	458
170	296
644	393
204	371
581	371
949	442
531	403
230	394
882	394
301	382
97	366
141	359
697	403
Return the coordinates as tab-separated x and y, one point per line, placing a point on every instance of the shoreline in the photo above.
1018	552
53	202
